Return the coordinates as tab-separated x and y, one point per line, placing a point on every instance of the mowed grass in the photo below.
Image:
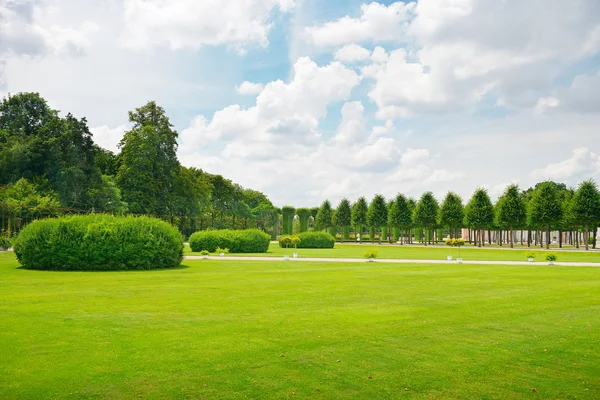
216	329
420	252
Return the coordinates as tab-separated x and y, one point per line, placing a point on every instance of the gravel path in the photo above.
397	261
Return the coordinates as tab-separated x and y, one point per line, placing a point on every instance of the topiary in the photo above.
245	241
312	240
99	242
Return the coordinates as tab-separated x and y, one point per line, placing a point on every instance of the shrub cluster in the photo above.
99	243
313	240
5	242
237	241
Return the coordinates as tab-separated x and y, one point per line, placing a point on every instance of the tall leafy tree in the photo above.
107	197
426	212
586	208
324	216
377	215
452	213
511	210
149	165
343	216
545	208
479	213
400	215
359	215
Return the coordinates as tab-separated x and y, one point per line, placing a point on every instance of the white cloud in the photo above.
376	23
192	24
108	138
25	30
352	53
250	88
459	51
582	165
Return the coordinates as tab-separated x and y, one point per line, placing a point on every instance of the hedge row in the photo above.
237	241
99	242
313	240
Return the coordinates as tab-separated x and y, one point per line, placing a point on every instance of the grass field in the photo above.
227	330
418	252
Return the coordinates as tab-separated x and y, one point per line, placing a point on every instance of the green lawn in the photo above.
419	252
219	329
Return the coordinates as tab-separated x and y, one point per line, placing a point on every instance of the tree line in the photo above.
50	165
534	213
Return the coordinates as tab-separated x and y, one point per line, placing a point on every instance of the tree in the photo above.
545	208
426	212
400	216
324	216
303	215
586	208
108	196
359	216
377	214
452	213
149	163
343	216
479	213
511	210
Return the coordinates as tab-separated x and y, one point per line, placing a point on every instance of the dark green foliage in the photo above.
586	208
37	144
342	216
479	213
511	210
324	216
209	240
303	215
400	215
545	208
237	241
314	240
287	217
99	242
452	211
377	214
426	211
359	215
5	242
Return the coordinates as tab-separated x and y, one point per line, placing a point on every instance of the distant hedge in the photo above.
237	241
313	240
99	243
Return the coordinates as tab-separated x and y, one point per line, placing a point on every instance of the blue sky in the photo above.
307	100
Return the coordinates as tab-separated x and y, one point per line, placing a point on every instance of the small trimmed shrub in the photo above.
370	254
204	253
551	257
246	241
99	243
313	240
531	254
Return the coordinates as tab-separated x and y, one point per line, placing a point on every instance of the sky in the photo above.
308	100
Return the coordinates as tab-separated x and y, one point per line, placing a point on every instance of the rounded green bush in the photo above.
246	241
313	240
99	243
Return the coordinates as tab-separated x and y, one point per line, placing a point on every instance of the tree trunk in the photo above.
548	237
595	236
586	236
560	238
512	237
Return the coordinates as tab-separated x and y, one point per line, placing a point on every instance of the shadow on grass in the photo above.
180	266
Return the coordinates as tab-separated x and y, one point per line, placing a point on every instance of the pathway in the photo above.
397	261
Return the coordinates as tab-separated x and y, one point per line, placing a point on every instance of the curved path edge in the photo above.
395	260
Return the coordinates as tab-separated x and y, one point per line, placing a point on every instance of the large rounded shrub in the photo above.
314	240
99	242
246	241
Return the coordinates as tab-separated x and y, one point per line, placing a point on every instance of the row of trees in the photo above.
546	207
49	165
